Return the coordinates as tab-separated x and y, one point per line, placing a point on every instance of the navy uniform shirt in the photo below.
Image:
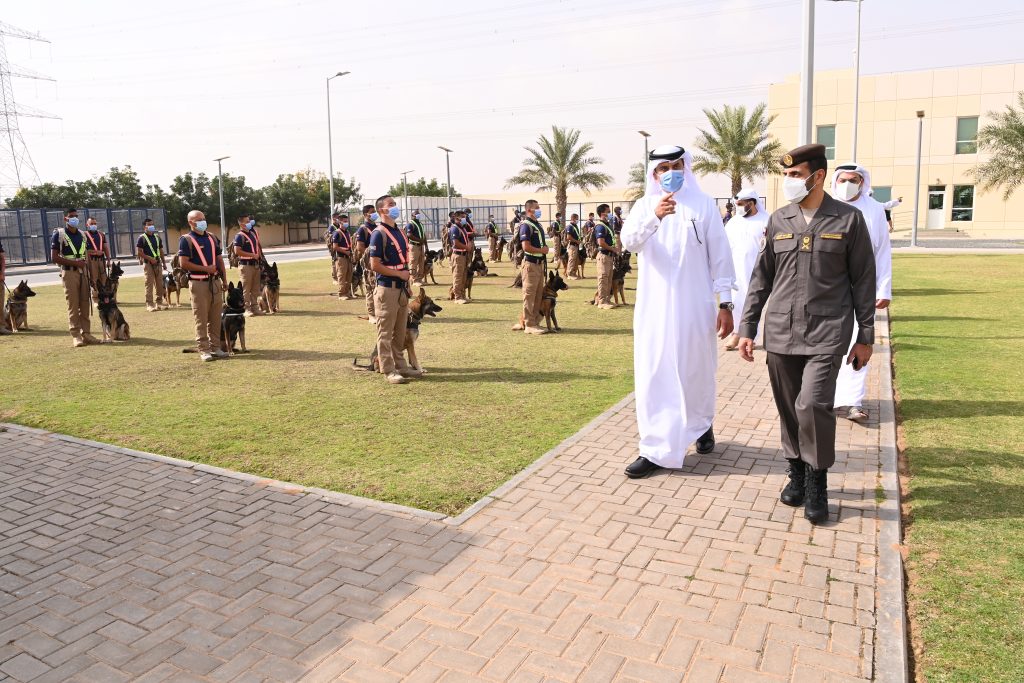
77	239
605	232
492	229
364	232
415	232
461	234
573	230
95	240
147	243
208	244
530	231
341	239
616	222
383	248
248	242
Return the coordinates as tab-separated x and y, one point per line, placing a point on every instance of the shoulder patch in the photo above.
832	236
764	243
784	236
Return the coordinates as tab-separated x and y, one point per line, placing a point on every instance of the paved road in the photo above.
116	567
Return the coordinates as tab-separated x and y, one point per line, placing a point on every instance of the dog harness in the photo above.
202	259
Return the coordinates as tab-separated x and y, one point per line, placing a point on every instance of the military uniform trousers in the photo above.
76	292
605	266
97	275
369	283
250	287
344	275
207	304
154	280
492	248
417	262
392	306
533	292
334	266
573	266
459	266
804	388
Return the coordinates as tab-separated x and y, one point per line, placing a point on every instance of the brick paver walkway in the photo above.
115	567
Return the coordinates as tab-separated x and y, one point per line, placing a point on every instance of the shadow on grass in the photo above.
953	485
595	331
897	318
515	375
930	409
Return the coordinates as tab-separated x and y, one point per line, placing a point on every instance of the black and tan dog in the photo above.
502	243
232	320
420	307
619	271
16	307
270	297
433	256
477	267
116	271
115	327
358	282
552	287
175	281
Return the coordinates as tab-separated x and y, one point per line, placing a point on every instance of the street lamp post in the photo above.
646	152
220	191
448	171
405	191
856	78
807	76
917	177
330	145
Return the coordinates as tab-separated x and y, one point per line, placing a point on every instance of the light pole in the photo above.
220	191
917	177
856	78
330	145
646	152
405	190
807	76
448	171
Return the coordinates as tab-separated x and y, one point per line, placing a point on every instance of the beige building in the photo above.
956	103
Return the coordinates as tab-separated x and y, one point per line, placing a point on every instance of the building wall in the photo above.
888	132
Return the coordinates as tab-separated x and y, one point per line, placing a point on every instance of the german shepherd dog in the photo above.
619	270
270	298
502	243
476	267
175	281
552	287
433	256
16	308
115	327
116	271
420	307
232	320
358	286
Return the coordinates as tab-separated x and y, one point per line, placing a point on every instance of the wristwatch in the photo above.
727	306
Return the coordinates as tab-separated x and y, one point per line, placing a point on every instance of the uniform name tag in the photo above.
832	236
784	236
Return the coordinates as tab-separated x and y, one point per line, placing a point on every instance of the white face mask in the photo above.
795	189
741	210
848	190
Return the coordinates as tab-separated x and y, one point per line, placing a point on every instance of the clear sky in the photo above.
167	87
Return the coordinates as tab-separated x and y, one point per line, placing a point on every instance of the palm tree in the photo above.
558	163
637	182
738	145
1004	139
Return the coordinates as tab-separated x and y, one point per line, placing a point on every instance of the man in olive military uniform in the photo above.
815	282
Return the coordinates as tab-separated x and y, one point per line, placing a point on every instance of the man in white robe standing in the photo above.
746	233
684	261
851	183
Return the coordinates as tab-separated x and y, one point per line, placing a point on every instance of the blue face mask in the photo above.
251	224
463	221
394	212
671	180
200	226
374	217
73	222
93	227
151	229
537	213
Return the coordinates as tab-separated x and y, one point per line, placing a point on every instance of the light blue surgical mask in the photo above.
73	222
251	224
93	227
374	217
394	212
672	180
537	213
200	226
150	229
463	221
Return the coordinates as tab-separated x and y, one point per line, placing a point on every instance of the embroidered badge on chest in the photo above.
805	243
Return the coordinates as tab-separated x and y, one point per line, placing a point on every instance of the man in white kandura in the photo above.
684	261
746	235
851	183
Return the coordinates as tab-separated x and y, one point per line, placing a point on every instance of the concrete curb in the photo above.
891	655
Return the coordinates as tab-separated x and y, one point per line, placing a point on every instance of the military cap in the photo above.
667	153
799	155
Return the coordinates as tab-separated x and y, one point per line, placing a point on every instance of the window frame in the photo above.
969	210
830	150
882	190
973	142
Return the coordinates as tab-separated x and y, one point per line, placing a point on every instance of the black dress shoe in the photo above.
816	503
640	468
793	494
706	443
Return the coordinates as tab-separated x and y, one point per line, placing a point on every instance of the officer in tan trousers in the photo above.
417	237
99	254
462	245
68	249
608	249
535	258
341	248
249	252
199	254
150	250
362	246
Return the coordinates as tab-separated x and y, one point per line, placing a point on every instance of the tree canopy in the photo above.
422	188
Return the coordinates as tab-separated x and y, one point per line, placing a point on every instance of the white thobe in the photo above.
745	235
684	260
851	385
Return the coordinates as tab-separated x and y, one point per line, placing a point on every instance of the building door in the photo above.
936	207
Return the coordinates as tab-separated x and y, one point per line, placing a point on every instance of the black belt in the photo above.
535	259
96	257
67	268
248	262
607	252
391	282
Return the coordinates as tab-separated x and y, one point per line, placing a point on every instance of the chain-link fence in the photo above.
25	233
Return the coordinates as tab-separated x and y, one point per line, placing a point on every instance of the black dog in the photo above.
116	271
115	327
232	320
433	256
476	267
619	271
16	309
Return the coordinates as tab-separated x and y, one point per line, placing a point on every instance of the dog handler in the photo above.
150	250
249	252
68	248
200	256
99	254
535	256
684	262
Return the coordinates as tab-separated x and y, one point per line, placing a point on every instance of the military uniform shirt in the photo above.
384	248
208	244
415	232
342	239
143	244
602	231
530	231
58	242
460	233
364	232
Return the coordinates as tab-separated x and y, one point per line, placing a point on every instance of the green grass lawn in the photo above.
293	409
957	326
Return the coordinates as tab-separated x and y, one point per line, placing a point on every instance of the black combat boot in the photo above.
816	502
793	494
706	443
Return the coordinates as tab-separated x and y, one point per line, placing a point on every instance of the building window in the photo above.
963	202
967	135
827	137
881	194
